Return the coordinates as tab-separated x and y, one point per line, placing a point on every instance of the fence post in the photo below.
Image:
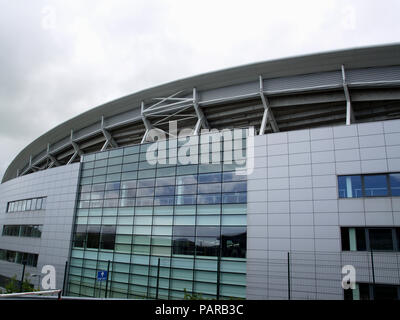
22	276
288	271
65	277
373	274
108	274
158	277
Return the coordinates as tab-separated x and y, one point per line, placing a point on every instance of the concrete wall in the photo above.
59	185
293	206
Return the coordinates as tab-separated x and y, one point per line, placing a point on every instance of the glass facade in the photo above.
188	218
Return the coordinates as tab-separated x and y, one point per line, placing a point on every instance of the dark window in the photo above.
361	239
381	239
350	186
108	237
80	236
375	185
345	241
233	240
93	237
395	184
207	246
165	191
183	245
240	186
385	292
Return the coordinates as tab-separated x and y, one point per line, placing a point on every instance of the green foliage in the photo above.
194	296
13	285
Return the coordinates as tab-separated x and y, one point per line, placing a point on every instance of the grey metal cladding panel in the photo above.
373	74
333	78
231	91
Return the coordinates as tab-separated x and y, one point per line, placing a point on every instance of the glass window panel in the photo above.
232	176
186	189
185	200
183	245
145	183
113	177
208	198
208	220
129	184
127	202
209	209
395	184
128	193
238	197
144	202
109	220
184	230
238	220
202	231
143	220
381	239
240	186
107	237
189	179
93	237
144	240
184	220
130	167
124	229
101	155
165	210
234	208
189	169
144	211
115	161
161	251
209	188
205	276
185	210
144	230
166	172
350	186
164	201
145	165
233	242
131	158
141	249
94	220
100	163
161	240
206	264
131	150
100	171
125	220
182	274
99	179
181	285
129	175
162	220
165	181
207	246
209	178
375	185
162	230
205	168
147	174
114	169
165	191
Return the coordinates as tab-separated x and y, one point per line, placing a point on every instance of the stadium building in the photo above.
318	137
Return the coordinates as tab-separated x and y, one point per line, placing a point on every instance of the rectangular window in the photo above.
381	239
375	185
350	186
394	179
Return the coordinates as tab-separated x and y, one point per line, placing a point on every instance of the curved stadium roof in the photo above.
355	85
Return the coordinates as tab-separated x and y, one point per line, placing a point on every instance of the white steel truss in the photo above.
350	118
268	114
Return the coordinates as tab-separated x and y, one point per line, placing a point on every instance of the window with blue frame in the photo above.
369	185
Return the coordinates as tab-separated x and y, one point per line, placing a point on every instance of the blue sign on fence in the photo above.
101	275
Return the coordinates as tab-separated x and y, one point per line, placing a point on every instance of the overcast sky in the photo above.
61	58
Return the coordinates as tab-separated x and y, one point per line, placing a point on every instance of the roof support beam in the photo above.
350	118
53	160
202	120
268	114
147	124
109	139
78	151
